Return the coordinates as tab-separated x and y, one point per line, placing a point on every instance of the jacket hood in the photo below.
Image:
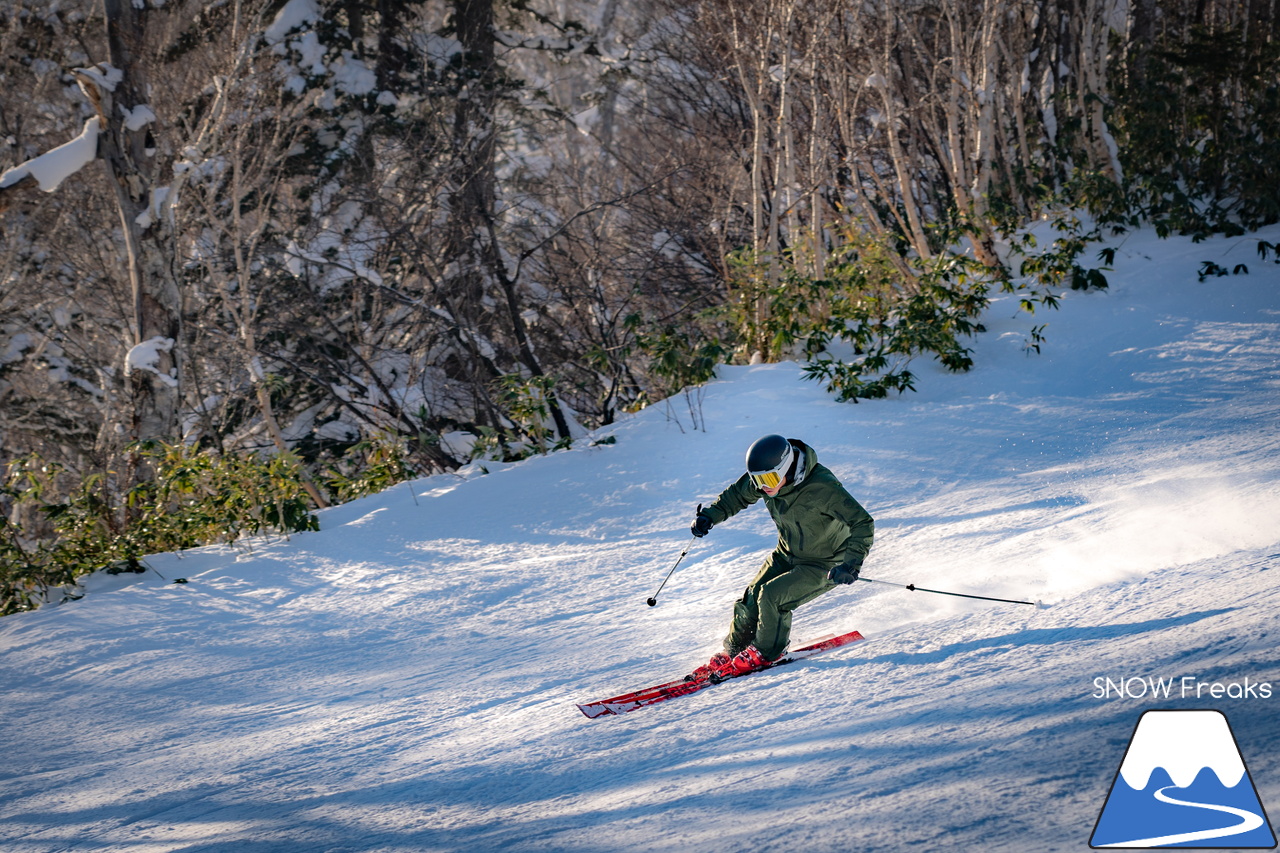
806	459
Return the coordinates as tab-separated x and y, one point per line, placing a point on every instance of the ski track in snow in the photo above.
405	679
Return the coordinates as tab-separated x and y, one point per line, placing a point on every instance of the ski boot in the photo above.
747	660
702	673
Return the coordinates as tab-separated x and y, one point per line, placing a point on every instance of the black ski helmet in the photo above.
768	460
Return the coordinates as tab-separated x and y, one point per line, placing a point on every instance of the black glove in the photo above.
844	573
701	525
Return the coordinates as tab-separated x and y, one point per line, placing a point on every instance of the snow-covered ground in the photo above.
405	679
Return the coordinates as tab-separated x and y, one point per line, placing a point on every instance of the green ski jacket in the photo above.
818	521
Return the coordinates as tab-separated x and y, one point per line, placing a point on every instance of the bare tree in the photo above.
127	148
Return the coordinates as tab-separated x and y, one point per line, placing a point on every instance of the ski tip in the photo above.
593	711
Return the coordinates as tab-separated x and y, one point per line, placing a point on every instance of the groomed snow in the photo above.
404	679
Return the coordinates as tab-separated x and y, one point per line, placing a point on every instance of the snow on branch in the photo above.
295	15
146	357
50	169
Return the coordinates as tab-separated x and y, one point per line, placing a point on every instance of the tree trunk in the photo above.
154	394
475	225
1142	36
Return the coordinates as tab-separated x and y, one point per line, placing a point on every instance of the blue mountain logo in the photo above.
1183	783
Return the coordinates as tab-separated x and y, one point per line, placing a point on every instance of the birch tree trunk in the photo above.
153	394
751	34
1091	64
245	239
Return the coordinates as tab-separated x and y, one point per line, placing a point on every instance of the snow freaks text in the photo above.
1178	687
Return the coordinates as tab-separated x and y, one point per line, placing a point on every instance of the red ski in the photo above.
682	687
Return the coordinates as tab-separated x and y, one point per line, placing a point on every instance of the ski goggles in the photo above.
772	478
767	480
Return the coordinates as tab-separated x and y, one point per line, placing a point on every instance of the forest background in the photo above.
306	249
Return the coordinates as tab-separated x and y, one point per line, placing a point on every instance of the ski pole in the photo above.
913	588
653	600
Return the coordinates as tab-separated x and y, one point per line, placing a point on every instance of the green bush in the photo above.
192	498
872	310
369	467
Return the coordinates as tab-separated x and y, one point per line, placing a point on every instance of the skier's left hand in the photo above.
844	573
701	525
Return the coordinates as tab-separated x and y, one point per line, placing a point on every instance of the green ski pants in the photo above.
763	615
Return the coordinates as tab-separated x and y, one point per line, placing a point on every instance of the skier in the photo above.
823	537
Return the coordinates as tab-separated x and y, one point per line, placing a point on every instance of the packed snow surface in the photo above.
405	679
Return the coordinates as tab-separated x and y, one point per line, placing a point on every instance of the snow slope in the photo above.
404	679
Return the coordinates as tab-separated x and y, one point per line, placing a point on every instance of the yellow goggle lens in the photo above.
767	480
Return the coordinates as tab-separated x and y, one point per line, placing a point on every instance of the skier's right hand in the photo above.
701	525
845	573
